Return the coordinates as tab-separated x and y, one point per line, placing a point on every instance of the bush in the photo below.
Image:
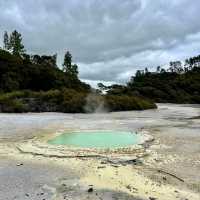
125	103
13	106
73	101
69	101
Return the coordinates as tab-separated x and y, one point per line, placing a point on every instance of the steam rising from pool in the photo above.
97	139
95	104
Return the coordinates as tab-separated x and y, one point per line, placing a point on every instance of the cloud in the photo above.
109	39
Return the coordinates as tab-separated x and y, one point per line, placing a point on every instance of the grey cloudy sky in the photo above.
109	39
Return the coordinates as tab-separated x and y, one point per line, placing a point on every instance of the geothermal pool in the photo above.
97	139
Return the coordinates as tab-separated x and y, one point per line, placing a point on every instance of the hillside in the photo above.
180	83
34	73
35	84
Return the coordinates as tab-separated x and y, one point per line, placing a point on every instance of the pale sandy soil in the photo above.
176	150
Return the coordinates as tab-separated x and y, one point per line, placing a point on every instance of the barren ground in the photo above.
170	169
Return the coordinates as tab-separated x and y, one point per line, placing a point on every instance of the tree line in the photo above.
43	79
13	43
20	70
34	83
179	83
174	67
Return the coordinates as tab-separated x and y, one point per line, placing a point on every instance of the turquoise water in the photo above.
97	139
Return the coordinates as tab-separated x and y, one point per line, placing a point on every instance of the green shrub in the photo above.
72	101
125	103
69	101
14	106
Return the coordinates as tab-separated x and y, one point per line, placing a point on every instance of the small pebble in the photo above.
164	178
90	190
152	198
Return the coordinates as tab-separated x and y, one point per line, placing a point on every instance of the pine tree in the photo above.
6	41
16	46
67	62
158	69
54	60
74	70
69	68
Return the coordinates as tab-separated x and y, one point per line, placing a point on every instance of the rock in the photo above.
114	165
90	190
27	195
128	187
132	189
152	198
135	189
20	164
101	167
